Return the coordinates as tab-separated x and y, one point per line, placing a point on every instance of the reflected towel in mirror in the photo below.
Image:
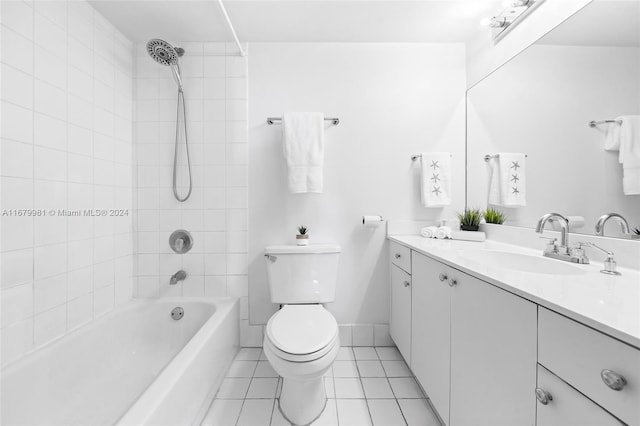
507	180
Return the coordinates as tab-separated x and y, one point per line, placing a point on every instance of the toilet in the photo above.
301	340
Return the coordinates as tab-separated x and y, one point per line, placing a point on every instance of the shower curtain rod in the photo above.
230	26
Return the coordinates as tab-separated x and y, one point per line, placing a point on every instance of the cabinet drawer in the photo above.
400	256
568	406
578	355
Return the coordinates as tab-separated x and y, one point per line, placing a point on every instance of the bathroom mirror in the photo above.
541	102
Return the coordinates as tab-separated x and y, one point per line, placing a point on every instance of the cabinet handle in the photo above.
543	396
407	283
398	255
443	276
612	379
453	282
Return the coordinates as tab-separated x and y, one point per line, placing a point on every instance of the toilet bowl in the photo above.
301	343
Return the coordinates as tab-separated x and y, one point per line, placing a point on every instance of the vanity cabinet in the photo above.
400	321
473	347
562	405
581	356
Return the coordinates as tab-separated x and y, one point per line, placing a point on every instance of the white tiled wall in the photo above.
215	87
66	144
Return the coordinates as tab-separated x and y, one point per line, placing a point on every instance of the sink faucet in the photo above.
562	251
624	225
178	276
564	231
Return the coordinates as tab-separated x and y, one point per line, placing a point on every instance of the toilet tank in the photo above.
302	274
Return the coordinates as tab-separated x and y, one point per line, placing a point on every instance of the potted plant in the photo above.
302	239
470	219
494	216
635	233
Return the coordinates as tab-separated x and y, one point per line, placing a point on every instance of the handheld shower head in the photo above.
165	54
162	52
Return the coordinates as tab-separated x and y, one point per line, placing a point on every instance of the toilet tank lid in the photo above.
310	249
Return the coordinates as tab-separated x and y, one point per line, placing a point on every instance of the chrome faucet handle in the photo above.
609	264
551	245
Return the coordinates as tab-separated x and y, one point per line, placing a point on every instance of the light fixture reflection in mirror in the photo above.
513	13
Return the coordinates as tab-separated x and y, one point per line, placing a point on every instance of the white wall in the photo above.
540	104
393	100
484	56
66	144
215	87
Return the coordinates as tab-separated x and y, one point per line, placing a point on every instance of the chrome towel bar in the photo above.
276	120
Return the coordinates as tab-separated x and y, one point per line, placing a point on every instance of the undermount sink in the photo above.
521	262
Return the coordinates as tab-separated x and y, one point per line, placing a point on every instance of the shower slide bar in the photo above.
277	120
488	157
594	123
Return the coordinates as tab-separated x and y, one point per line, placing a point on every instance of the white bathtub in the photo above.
135	366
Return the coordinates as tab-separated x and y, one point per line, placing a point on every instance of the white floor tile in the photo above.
233	388
417	412
223	413
396	369
263	357
376	388
405	387
345	354
264	369
370	369
262	387
248	354
385	412
329	416
365	353
242	369
389	353
348	387
256	412
353	412
345	369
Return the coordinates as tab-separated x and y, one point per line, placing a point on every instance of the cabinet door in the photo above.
430	350
400	324
493	355
568	407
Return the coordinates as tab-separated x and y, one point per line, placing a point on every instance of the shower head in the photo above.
165	54
162	52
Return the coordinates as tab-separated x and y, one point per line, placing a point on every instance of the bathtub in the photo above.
134	366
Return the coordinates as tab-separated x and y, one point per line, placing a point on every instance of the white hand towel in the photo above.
443	232
630	154
303	147
507	185
429	231
612	141
435	178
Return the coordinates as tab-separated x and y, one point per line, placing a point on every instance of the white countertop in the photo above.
610	304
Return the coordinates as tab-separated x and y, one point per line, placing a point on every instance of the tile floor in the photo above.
365	386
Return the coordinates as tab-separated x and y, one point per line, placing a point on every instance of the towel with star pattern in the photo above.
507	180
435	177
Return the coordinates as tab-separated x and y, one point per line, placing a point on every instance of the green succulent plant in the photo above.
494	216
470	217
302	230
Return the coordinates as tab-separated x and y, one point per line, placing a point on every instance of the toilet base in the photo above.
302	401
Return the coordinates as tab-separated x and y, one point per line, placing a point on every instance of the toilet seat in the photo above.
302	333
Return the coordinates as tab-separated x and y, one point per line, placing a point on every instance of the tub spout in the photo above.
178	276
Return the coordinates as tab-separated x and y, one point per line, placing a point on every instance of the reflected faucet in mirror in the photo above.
602	220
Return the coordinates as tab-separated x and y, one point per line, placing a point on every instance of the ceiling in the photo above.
301	20
600	23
